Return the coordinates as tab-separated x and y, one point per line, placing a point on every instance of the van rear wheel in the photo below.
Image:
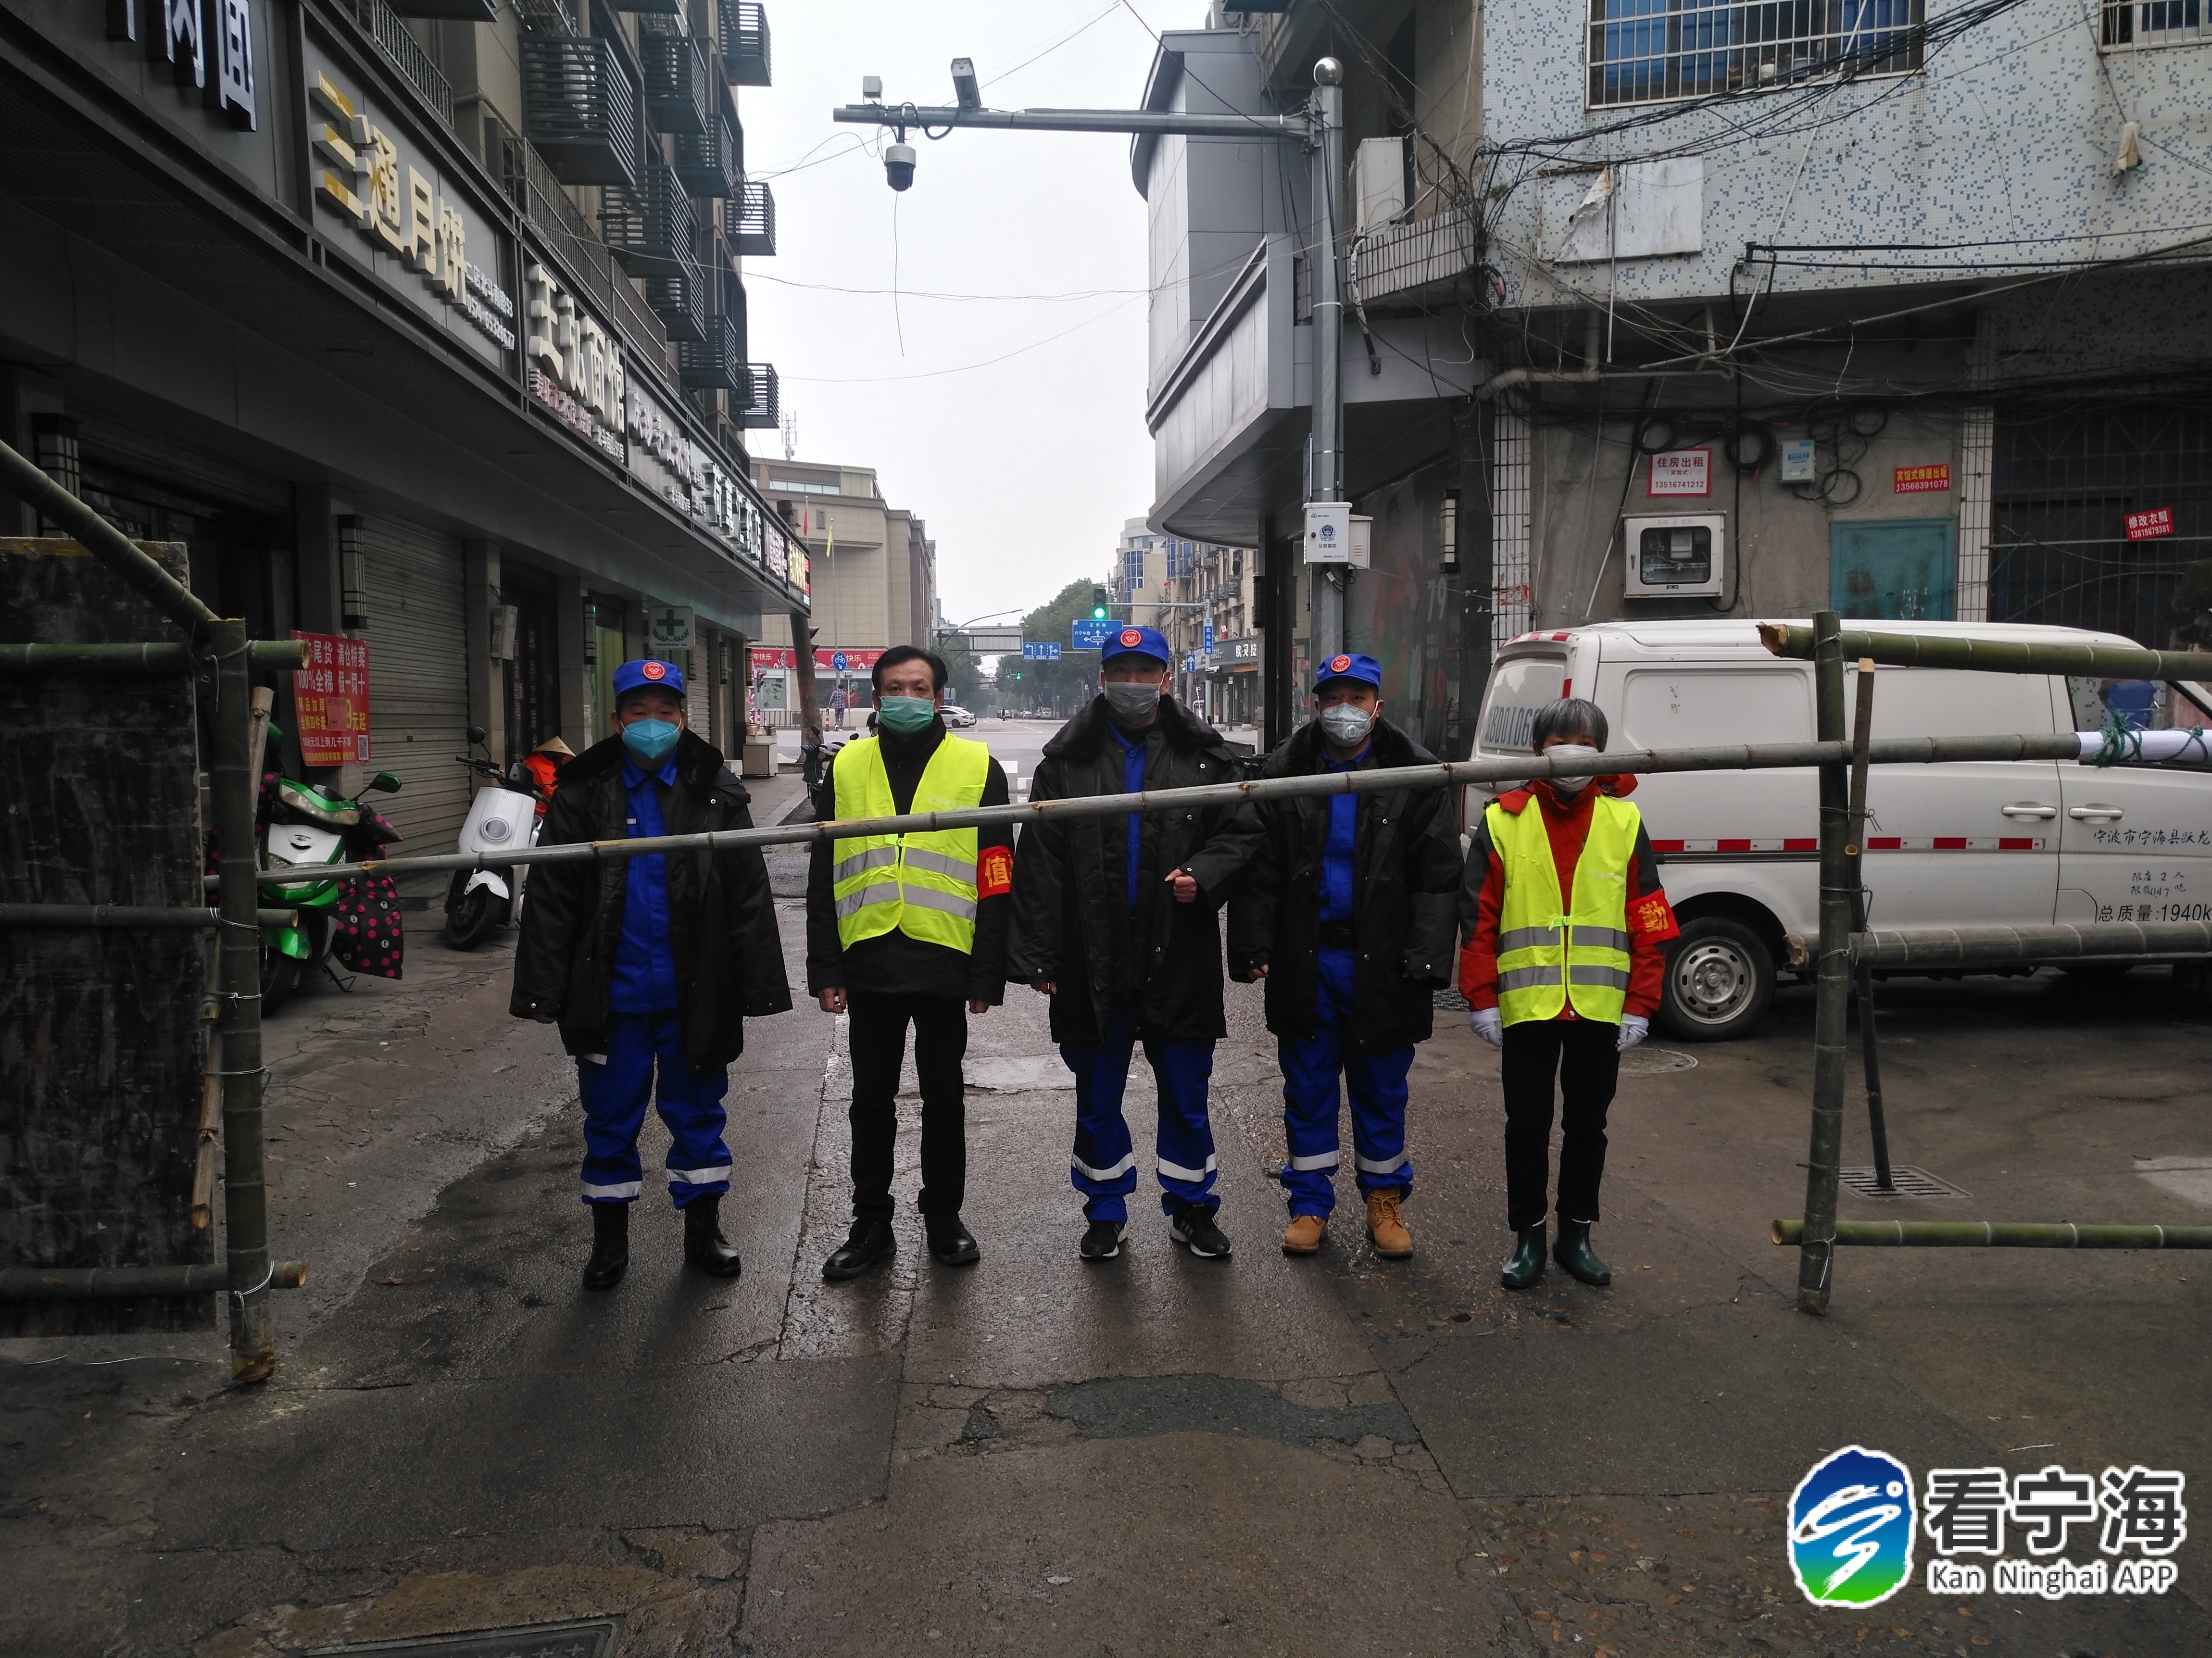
1720	981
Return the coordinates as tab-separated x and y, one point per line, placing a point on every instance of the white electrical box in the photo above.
1378	184
1363	541
1676	557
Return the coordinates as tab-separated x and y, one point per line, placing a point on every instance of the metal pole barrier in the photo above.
1816	1257
246	1197
2002	1235
1870	1056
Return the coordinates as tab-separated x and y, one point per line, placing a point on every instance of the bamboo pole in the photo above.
1855	849
810	699
245	1198
1910	650
1728	756
1933	949
1823	1160
88	1283
23	479
265	655
129	915
2001	1234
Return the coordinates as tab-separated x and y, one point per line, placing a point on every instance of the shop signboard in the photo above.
1921	480
2150	524
669	628
424	236
660	452
574	365
330	700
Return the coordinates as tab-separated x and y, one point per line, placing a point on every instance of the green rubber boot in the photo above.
1574	1253
1526	1264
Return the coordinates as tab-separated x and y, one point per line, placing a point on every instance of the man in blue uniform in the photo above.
1349	915
651	964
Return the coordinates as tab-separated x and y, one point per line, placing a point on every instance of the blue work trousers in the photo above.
1103	1166
615	1087
1376	1083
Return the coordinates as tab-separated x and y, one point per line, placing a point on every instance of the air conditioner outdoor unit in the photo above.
1677	557
1378	181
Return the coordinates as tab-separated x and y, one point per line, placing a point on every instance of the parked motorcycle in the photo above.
503	818
310	828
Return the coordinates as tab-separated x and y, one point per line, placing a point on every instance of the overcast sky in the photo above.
1026	468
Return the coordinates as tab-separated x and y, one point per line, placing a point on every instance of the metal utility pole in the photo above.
1319	128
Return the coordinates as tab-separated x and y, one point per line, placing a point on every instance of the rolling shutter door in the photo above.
418	682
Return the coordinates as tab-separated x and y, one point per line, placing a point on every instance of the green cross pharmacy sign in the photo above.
667	627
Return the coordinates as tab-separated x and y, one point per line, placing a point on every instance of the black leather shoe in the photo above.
609	1246
949	1242
870	1242
704	1246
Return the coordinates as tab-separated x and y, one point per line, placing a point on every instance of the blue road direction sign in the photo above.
1034	651
1208	646
1089	633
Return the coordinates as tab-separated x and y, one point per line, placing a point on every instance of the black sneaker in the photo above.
1194	1229
1101	1240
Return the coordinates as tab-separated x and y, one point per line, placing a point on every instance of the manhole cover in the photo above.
1909	1181
593	1640
1655	1062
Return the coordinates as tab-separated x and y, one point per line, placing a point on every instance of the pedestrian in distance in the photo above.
1115	918
651	964
1563	915
541	768
908	929
1349	914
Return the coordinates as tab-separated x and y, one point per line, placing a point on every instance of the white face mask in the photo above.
1569	785
1348	725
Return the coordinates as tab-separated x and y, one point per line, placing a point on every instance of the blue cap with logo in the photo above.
1364	669
648	674
1134	641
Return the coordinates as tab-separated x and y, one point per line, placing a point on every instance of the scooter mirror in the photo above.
383	783
476	734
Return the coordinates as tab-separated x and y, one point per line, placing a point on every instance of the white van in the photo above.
2010	844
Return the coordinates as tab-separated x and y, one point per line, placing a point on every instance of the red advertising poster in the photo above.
1919	480
773	656
2150	524
329	700
832	659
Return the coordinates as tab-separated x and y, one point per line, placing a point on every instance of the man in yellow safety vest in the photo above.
908	929
1563	915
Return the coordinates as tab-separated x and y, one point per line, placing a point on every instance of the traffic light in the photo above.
1097	603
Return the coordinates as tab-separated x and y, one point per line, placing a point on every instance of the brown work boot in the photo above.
1386	1227
1303	1235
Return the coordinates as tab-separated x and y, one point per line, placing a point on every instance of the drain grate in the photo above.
594	1639
1909	1181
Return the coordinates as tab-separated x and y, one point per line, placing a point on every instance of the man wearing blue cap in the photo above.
1114	920
1349	915
651	963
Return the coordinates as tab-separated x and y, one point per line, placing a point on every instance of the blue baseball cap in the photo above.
1134	641
649	674
1364	669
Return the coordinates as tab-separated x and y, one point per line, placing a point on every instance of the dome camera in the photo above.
898	166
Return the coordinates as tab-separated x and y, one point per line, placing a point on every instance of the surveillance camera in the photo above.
964	84
898	166
872	87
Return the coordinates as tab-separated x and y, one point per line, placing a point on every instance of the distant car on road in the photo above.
957	715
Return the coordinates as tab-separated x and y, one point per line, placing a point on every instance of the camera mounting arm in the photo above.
1300	126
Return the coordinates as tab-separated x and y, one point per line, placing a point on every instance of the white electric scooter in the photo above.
503	818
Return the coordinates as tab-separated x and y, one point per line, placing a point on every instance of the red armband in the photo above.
1653	918
995	872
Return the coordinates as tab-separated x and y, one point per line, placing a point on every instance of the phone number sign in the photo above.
329	700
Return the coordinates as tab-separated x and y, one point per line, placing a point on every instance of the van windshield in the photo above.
1519	688
2143	705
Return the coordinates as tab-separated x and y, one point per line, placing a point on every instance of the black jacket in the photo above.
893	964
1072	924
729	958
1405	877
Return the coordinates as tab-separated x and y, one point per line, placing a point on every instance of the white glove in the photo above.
1488	1023
1634	1028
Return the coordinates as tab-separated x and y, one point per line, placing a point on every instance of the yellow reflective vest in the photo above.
921	883
1549	956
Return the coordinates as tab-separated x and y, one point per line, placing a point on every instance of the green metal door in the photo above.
1900	569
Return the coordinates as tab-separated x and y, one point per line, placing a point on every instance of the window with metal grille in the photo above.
2155	23
1644	52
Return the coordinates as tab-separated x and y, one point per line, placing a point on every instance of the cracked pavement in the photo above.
1155	1454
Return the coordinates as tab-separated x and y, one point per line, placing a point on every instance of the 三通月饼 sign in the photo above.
424	237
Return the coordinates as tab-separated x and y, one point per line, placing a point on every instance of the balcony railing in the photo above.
753	230
457	11
679	299
405	52
647	225
745	42
674	82
1413	255
580	108
762	406
715	362
711	163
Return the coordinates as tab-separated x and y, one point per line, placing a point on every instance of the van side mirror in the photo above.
383	783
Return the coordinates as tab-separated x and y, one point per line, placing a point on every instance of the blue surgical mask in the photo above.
906	714
650	740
